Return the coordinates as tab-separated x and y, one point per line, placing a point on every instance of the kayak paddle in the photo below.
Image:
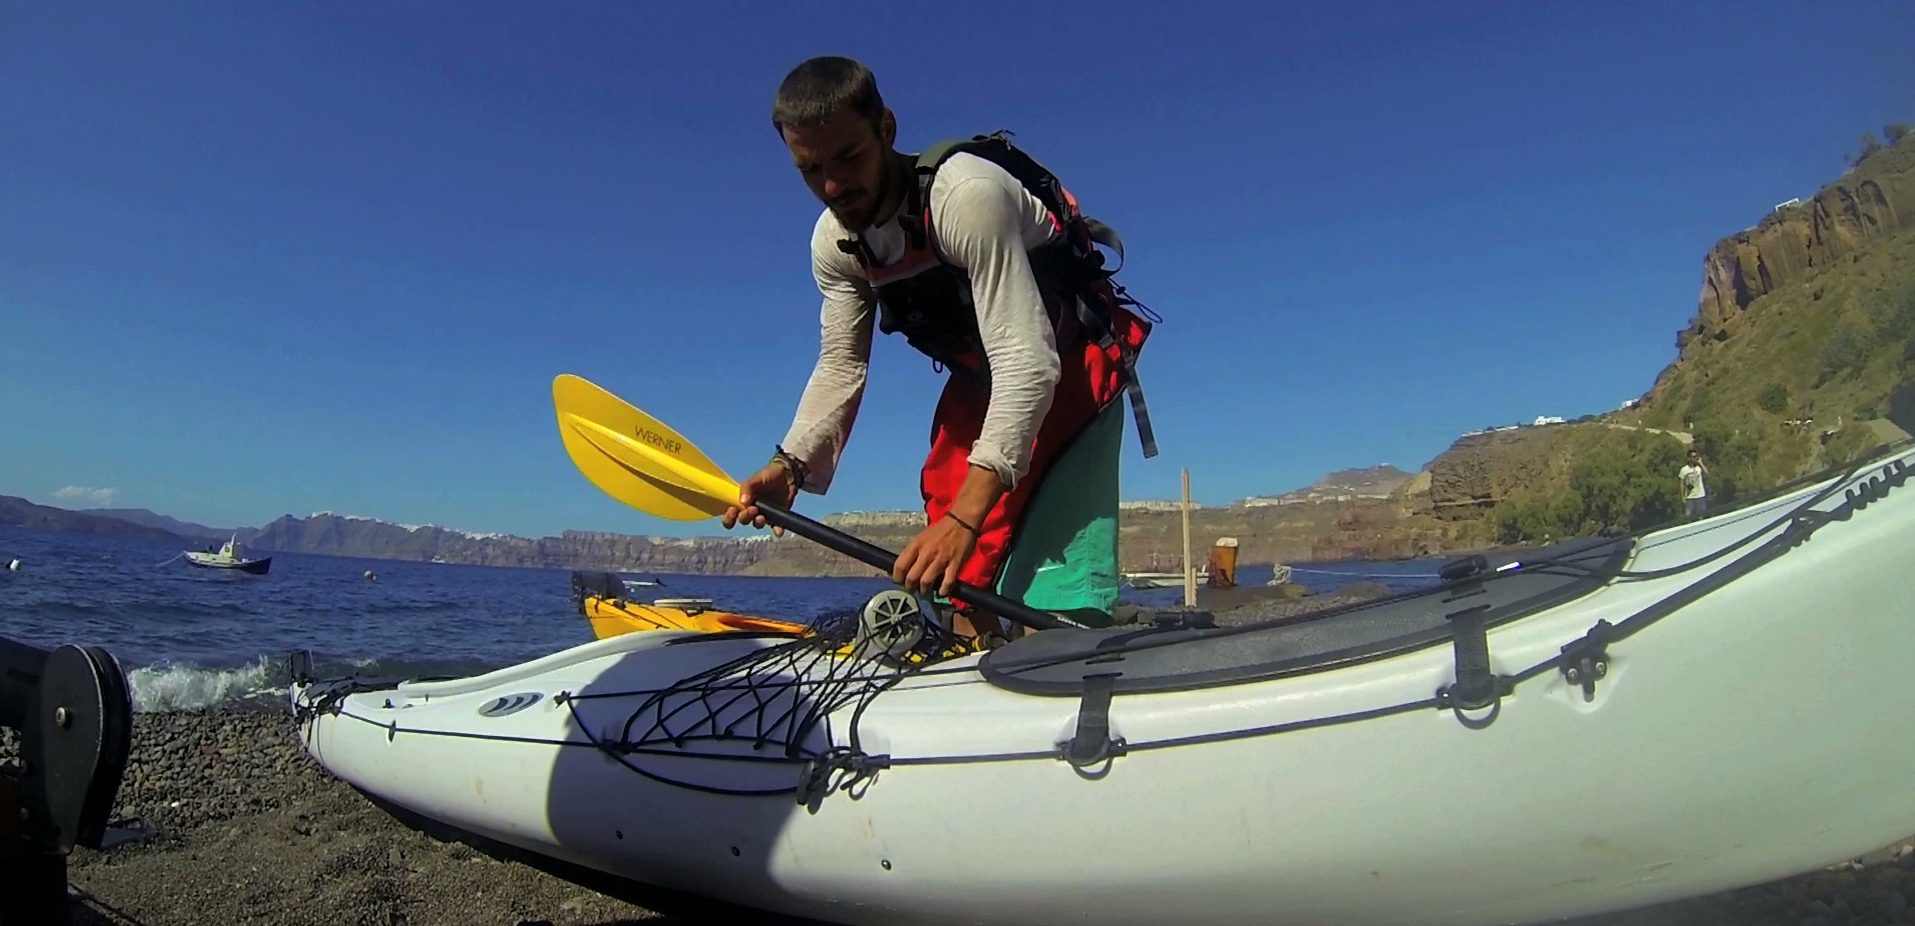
640	461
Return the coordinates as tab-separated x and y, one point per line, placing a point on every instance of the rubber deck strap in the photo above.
1092	743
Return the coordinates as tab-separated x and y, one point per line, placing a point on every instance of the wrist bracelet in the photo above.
792	465
961	523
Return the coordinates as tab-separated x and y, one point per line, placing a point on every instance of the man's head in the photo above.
1695	456
840	134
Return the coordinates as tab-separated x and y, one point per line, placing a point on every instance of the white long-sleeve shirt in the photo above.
984	222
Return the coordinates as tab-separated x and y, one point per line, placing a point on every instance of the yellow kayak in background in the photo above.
602	598
611	617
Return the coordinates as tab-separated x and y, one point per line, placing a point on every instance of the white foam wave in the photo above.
169	687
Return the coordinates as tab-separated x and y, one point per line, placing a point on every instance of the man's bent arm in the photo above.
980	227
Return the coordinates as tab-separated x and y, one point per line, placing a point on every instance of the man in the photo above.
997	280
1695	494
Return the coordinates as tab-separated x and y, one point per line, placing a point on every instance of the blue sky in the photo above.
259	259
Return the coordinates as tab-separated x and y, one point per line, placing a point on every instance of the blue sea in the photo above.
192	638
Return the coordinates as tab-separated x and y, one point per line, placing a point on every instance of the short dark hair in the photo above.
817	89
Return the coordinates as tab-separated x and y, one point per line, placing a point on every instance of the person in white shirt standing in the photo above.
980	258
1695	489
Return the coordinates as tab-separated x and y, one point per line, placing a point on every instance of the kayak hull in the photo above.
1750	732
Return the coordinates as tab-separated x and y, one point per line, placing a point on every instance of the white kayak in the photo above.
1593	726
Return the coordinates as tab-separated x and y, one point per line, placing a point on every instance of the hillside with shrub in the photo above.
1805	327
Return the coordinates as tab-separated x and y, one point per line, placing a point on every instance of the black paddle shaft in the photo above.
879	558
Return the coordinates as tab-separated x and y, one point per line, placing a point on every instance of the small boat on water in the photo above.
229	556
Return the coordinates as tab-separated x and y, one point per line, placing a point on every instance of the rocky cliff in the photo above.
1359	528
1806	326
1350	527
337	535
1872	201
1480	469
1149	540
1369	481
173	525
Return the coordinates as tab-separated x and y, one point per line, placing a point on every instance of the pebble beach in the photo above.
241	827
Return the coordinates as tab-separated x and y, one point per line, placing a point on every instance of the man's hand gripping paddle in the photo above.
639	461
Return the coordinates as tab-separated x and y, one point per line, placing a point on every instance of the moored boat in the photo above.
229	556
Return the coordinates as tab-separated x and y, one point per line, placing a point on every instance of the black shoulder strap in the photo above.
932	158
997	148
1049	190
917	198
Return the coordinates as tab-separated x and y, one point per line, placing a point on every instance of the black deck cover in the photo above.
1160	658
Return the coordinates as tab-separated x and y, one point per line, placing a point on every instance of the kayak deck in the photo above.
1176	655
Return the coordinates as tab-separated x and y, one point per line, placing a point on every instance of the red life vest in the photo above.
1097	332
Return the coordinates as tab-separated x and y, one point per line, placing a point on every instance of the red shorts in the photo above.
1091	377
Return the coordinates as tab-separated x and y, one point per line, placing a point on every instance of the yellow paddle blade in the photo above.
636	459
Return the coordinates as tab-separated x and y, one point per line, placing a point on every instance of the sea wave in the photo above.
171	687
262	683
